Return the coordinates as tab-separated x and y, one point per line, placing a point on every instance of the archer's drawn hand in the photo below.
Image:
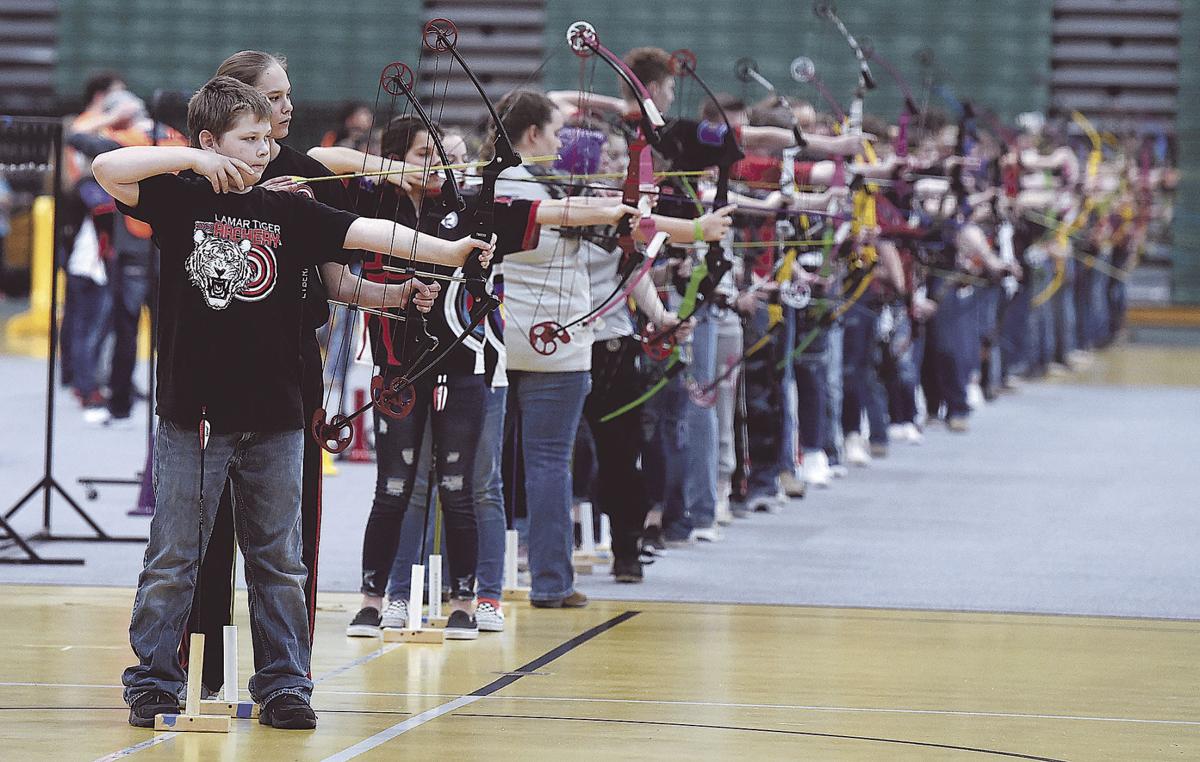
716	224
225	173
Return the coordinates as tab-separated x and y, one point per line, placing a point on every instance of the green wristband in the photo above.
699	229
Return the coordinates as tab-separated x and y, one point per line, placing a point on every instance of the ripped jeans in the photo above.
397	449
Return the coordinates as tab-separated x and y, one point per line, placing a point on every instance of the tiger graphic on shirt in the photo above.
233	259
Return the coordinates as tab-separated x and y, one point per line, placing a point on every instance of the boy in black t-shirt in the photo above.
229	383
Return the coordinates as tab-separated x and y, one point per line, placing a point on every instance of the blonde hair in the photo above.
248	65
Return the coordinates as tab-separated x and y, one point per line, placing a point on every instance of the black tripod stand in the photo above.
28	143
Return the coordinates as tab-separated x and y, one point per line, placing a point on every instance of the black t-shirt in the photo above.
290	162
451	314
230	307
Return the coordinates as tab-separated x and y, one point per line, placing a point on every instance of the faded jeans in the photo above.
547	408
265	471
489	509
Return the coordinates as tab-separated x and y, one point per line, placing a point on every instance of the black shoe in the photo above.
287	711
461	626
149	704
652	536
575	600
627	570
365	624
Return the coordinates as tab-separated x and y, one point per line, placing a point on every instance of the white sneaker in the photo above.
791	486
708	534
724	513
912	434
395	616
489	616
975	399
764	504
96	416
856	450
815	470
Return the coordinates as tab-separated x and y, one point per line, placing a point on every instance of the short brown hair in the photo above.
649	65
217	105
248	65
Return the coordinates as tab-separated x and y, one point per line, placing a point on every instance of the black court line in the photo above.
899	741
502	682
541	661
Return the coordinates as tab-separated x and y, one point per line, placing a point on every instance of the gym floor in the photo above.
641	681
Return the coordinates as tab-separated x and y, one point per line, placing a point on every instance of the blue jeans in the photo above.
833	398
701	450
548	407
668	412
131	278
85	321
397	446
490	520
860	377
943	373
265	471
764	402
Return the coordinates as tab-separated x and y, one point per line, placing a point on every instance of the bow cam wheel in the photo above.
544	337
396	78
683	61
581	37
395	399
440	35
334	435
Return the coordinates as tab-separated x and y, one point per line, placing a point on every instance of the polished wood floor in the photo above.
645	681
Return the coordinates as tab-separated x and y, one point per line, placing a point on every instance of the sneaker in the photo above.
764	504
792	487
395	616
461	626
575	600
96	416
682	542
365	624
912	434
975	398
287	711
838	471
488	616
815	470
652	537
724	515
739	510
118	423
708	534
879	450
627	570
148	705
958	424
856	450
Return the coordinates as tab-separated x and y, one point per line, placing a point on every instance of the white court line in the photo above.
164	737
713	704
131	750
384	736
